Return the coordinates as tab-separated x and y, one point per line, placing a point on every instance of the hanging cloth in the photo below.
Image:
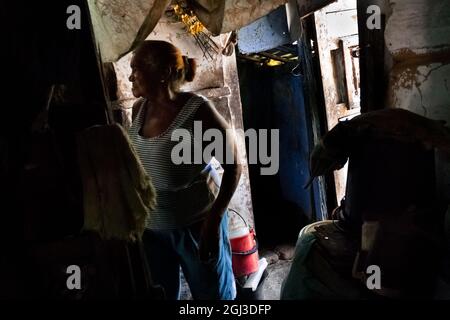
118	195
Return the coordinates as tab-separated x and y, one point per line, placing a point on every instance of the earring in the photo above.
162	80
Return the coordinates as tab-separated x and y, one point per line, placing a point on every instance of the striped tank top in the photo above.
183	191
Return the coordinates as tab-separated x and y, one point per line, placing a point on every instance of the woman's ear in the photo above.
175	74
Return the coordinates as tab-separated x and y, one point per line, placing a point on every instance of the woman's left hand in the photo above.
210	237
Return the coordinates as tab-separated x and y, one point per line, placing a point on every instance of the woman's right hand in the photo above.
210	237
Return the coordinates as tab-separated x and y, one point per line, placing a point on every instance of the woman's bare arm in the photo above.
211	119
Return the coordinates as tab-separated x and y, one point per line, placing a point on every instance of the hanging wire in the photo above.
296	71
195	28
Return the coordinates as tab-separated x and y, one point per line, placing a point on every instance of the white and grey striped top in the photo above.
183	195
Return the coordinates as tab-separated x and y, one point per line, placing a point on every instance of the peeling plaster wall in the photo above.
242	200
418	38
215	79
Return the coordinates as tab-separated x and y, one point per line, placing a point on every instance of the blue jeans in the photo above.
167	250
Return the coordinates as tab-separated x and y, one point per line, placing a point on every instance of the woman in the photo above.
189	226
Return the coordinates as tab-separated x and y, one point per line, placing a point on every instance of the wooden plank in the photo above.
324	197
334	71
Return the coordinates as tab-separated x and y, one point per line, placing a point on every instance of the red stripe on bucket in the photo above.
244	254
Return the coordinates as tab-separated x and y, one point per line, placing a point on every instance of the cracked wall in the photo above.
418	38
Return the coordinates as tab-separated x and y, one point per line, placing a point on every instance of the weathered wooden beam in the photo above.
373	76
306	7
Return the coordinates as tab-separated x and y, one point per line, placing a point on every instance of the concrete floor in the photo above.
277	272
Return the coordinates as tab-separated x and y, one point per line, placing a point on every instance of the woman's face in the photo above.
143	77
